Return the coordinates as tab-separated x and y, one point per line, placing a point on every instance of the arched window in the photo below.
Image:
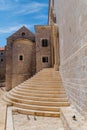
44	42
1	60
23	33
21	57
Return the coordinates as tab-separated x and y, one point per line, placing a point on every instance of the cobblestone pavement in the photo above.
24	122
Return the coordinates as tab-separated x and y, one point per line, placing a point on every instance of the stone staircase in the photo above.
41	95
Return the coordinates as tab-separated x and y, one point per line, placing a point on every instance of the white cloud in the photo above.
32	7
19	8
5	5
14	28
8	30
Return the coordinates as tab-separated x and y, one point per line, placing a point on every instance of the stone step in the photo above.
38	98
44	82
41	88
32	107
40	91
43	85
39	94
33	102
44	79
46	86
38	113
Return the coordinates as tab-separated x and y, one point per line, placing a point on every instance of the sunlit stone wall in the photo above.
71	18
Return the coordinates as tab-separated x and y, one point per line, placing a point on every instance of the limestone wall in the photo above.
25	68
20	57
71	16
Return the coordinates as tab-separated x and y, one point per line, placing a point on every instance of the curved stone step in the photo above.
32	107
33	102
49	80
39	94
38	113
38	98
43	83
41	88
42	94
40	91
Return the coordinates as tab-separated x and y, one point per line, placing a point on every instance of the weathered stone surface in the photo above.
72	120
41	123
20	44
43	32
3	115
71	19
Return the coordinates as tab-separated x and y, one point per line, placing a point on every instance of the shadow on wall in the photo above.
2	78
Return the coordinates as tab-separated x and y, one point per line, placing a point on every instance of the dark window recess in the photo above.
1	53
1	60
23	33
21	57
44	59
44	43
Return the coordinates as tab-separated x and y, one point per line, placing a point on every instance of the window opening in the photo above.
44	43
44	59
21	57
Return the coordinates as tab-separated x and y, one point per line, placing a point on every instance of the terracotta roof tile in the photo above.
2	48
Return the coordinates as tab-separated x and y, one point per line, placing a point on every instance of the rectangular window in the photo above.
44	59
44	42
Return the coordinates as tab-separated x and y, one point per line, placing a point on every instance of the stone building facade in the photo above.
2	65
20	55
28	53
43	47
71	19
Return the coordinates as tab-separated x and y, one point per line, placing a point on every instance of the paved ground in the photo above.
22	122
3	111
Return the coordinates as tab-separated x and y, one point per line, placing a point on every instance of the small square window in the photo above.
44	59
44	43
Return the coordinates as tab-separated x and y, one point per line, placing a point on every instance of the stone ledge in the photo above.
3	115
9	124
79	123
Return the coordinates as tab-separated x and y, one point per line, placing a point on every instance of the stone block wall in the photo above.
20	57
2	64
25	68
71	18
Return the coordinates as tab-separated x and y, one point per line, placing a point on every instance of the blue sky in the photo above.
17	13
